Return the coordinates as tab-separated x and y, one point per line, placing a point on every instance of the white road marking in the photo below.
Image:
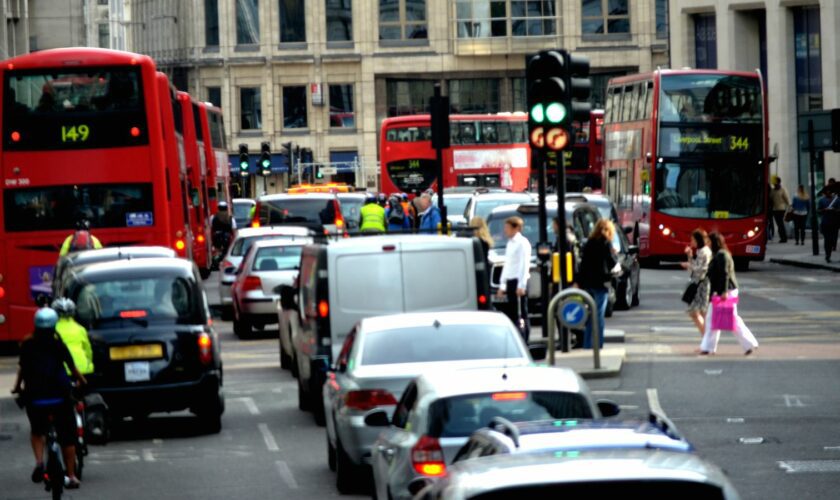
713	372
286	474
734	420
148	456
793	401
157	441
653	402
831	448
268	437
673	329
751	440
613	393
249	403
793	466
628	407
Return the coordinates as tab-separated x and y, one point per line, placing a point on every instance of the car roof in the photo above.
410	320
514	208
352	195
393	239
117	253
298	196
244	201
485	474
501	379
143	267
501	195
247	232
277	243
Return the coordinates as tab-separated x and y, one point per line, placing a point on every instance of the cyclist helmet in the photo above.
382	198
370	198
45	318
404	197
64	307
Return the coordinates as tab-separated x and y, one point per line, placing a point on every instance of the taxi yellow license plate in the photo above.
141	351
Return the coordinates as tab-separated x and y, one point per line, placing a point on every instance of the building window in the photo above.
214	96
606	17
102	2
520	94
481	18
807	51
705	41
533	18
292	21
661	18
250	108
409	97
339	20
402	20
342	114
104	36
247	22
294	107
211	23
477	95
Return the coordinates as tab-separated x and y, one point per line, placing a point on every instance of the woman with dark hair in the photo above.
699	257
723	284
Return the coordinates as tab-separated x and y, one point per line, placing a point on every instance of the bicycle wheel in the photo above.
80	461
55	471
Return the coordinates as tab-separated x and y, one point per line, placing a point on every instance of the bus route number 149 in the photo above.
74	133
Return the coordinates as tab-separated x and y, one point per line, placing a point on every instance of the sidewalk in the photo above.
791	254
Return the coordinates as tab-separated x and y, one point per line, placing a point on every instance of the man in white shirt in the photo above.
515	274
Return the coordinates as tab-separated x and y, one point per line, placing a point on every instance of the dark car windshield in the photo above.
302	210
460	416
642	488
423	344
158	298
283	258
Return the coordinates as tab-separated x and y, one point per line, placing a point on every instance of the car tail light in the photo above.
339	217
134	313
205	348
2	293
180	245
427	457
482	301
251	283
368	399
509	396
227	266
200	238
323	309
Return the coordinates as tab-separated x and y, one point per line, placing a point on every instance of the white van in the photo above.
343	282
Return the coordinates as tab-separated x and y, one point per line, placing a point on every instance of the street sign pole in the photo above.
439	106
812	153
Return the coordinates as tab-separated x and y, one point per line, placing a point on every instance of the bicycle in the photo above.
54	463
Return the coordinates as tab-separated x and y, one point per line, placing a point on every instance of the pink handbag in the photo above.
723	313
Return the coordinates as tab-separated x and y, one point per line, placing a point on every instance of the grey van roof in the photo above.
392	239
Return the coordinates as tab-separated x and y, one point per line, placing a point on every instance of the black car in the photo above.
154	349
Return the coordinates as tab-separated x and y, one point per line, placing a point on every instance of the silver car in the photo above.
605	473
381	355
267	265
483	202
440	410
237	250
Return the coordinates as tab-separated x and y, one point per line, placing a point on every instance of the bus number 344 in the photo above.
75	133
739	143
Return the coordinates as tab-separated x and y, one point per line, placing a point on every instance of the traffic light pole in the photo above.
439	107
542	259
812	154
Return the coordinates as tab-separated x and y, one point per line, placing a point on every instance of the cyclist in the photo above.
74	335
45	386
222	227
81	239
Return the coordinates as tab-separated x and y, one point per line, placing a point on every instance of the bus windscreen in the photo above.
58	109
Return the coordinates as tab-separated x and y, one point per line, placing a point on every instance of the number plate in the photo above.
753	249
140	351
137	371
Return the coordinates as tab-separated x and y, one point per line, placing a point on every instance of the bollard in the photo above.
593	318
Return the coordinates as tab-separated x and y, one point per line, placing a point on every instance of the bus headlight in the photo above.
750	233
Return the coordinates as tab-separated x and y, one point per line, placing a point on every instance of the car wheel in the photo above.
624	294
636	292
742	264
204	272
210	414
346	472
330	455
227	313
317	402
294	365
242	327
285	359
303	398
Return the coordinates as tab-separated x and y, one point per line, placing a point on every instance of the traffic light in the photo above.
318	173
265	158
244	161
555	79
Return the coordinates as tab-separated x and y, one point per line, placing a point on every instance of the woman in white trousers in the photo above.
724	284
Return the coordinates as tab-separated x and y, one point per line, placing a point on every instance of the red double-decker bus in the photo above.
486	151
687	149
216	155
584	161
82	138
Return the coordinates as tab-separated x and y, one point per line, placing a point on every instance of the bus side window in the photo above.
391	135
503	128
628	106
640	103
649	104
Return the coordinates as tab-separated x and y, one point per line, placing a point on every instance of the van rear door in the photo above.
441	275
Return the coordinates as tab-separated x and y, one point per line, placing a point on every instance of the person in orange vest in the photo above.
408	209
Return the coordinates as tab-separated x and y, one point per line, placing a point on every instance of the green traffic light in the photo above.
266	164
538	113
555	112
243	165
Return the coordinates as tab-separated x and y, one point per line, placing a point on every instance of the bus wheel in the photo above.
742	264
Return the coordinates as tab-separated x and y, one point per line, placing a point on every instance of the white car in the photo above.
237	250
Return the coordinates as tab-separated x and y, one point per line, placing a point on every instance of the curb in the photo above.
601	373
806	265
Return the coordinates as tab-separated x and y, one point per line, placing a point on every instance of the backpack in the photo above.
81	241
396	216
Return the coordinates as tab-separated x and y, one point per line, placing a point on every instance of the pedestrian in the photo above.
372	216
799	211
828	207
724	284
429	215
770	230
699	256
513	282
779	201
408	210
398	221
482	232
597	267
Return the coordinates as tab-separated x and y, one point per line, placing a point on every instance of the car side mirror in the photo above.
608	408
538	351
628	229
377	419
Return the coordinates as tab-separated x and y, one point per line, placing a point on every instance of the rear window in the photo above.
455	205
242	213
60	207
460	416
278	258
351	210
162	298
483	207
423	344
301	211
646	488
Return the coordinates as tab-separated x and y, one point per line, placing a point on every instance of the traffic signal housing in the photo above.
244	160
265	158
318	173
